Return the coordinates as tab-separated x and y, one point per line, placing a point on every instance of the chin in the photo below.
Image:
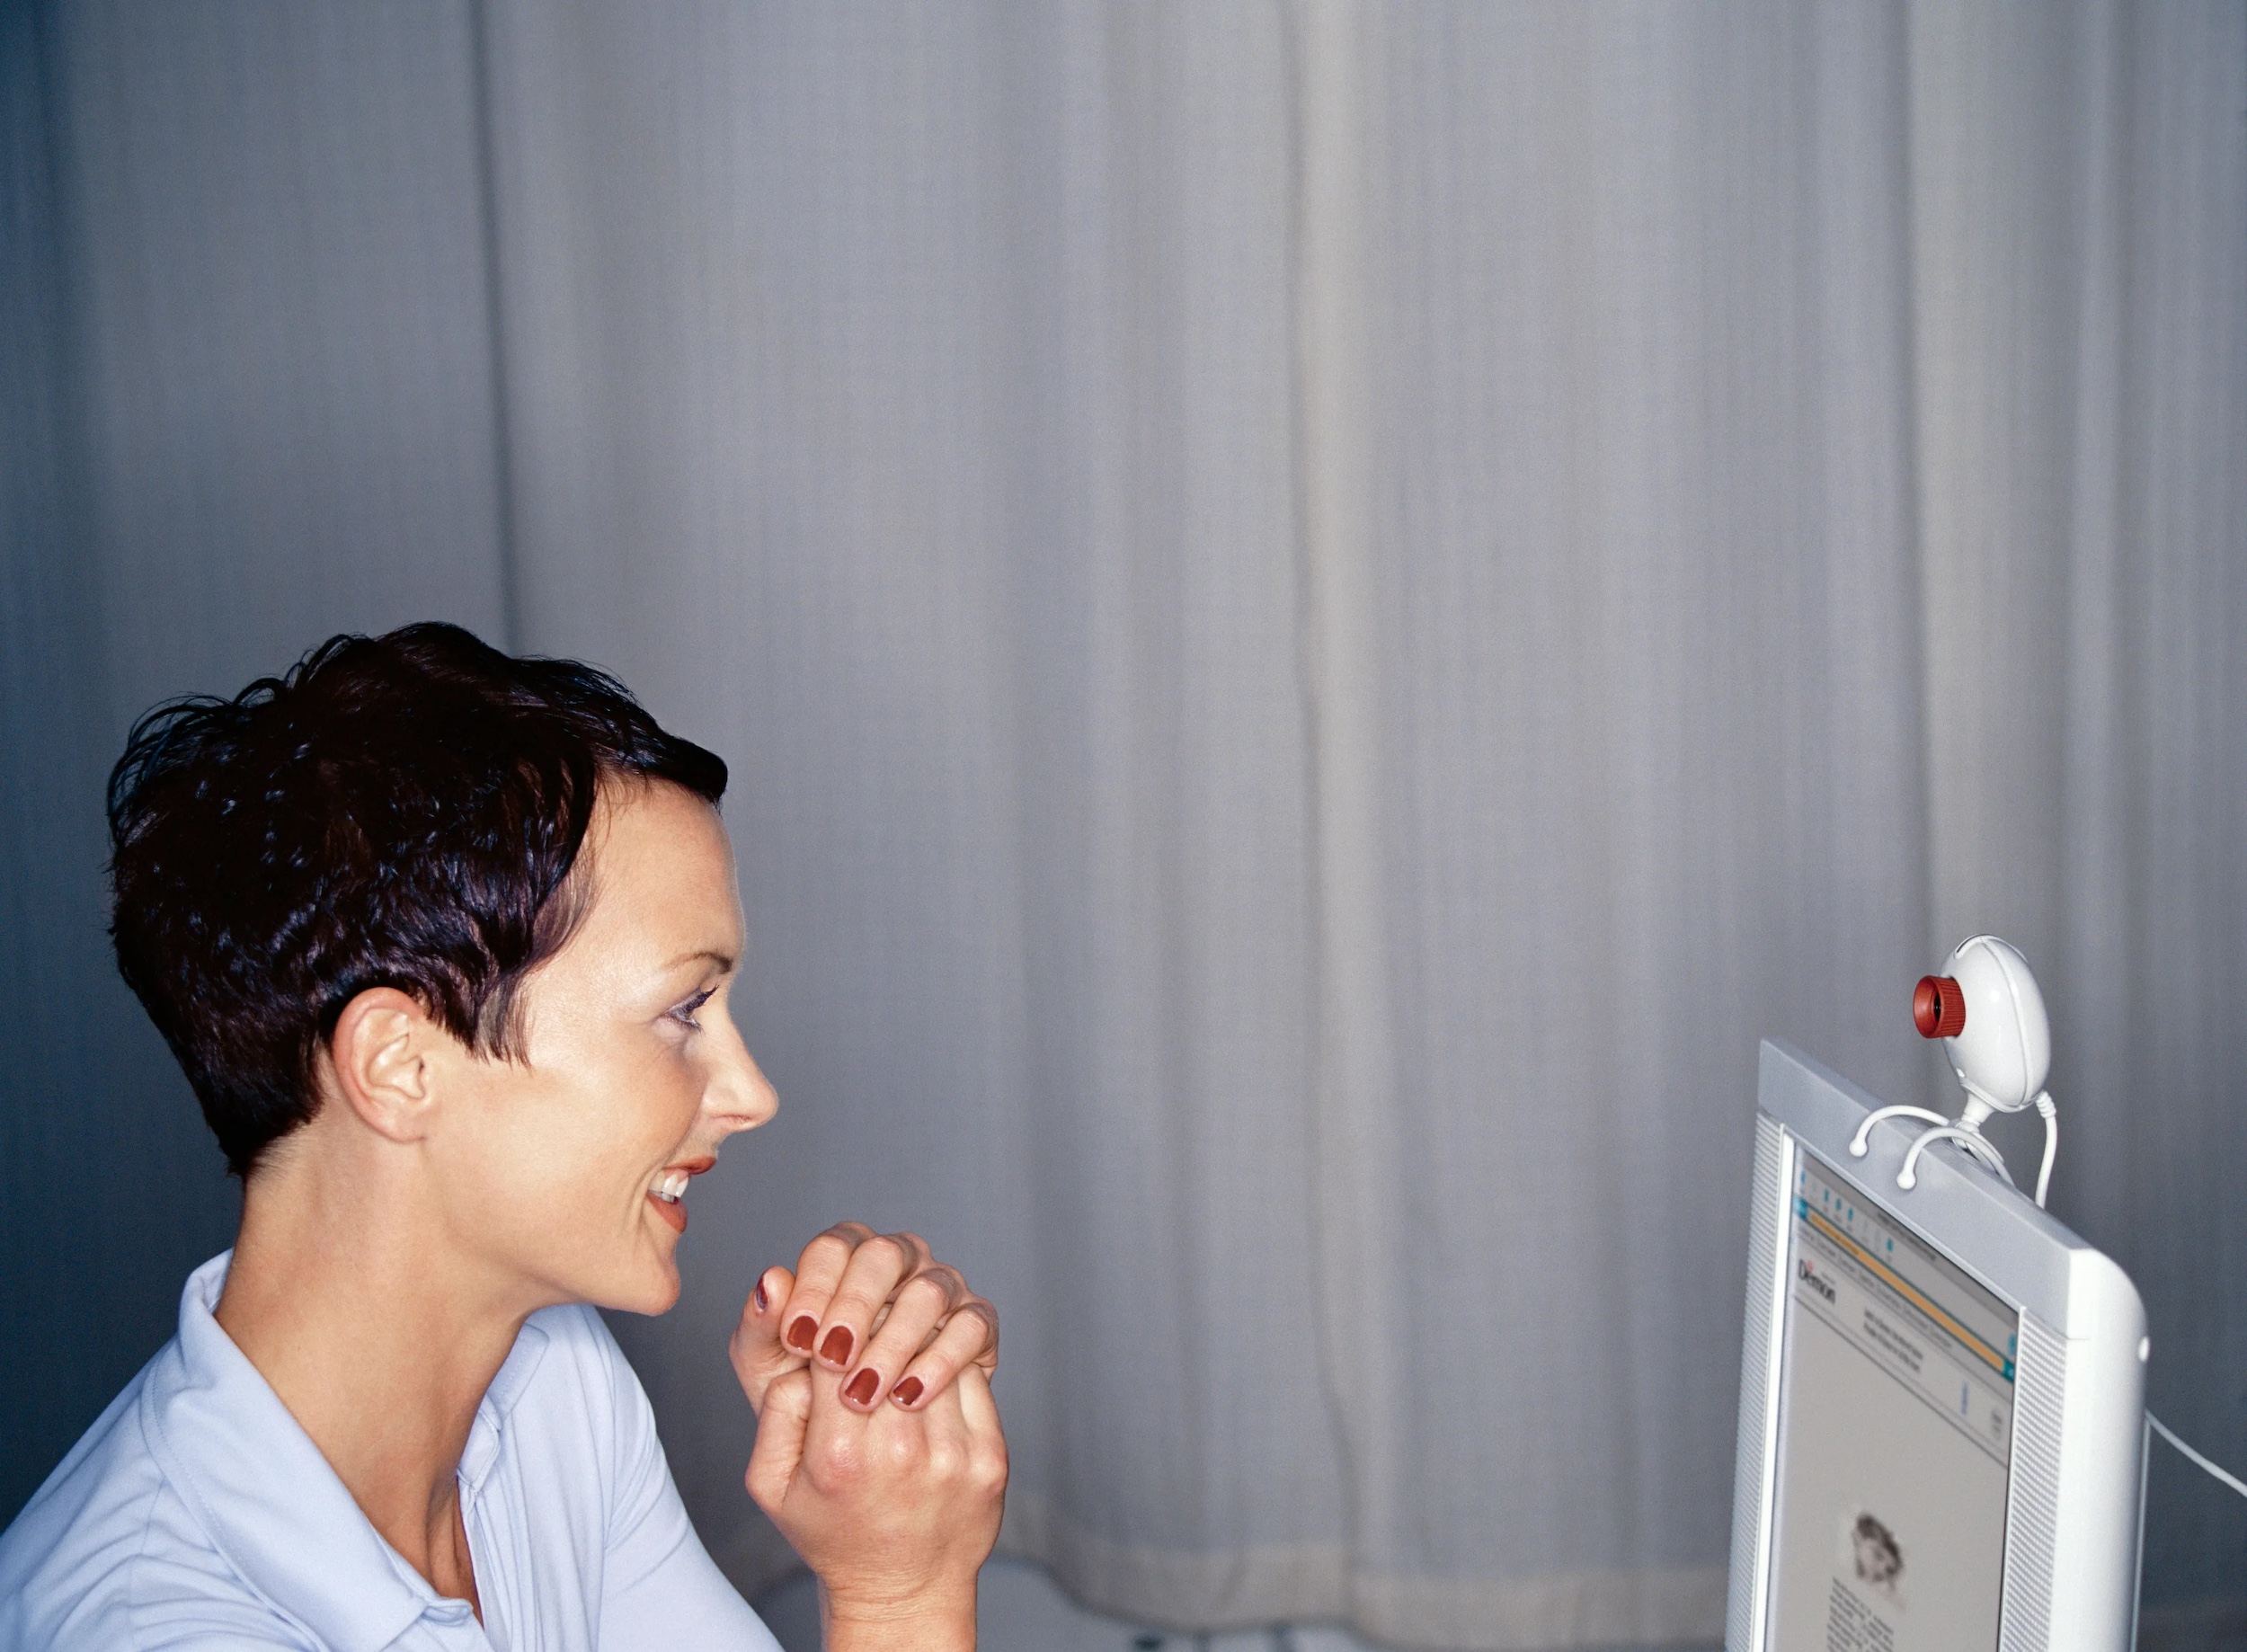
650	1291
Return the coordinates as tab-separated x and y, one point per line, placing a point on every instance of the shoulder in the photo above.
109	1554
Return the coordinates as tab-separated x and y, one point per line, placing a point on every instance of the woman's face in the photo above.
565	1172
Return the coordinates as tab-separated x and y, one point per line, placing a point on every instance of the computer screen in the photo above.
1896	1434
1941	1400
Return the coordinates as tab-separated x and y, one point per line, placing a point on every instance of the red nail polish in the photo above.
836	1349
757	1295
906	1391
862	1388
801	1333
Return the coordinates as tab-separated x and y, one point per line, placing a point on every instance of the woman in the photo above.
443	941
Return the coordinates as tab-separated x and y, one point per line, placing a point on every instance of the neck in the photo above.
380	1350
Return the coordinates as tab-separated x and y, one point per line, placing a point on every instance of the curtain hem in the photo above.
1313	1582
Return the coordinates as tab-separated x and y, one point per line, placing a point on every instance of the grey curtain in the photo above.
1322	613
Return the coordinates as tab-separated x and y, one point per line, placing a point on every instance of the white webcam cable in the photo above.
1972	1139
1966	1137
2051	1142
2229	1479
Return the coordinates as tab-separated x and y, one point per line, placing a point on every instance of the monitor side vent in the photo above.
2033	1499
1752	1464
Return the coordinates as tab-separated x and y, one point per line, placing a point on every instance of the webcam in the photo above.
1985	1007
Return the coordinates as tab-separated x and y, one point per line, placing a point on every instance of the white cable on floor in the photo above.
2163	1429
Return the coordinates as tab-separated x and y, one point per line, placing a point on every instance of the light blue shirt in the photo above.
196	1514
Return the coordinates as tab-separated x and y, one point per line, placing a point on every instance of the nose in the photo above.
740	1096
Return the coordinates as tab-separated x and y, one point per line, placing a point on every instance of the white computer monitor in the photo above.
1941	1401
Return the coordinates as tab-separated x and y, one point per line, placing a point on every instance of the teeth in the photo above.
672	1187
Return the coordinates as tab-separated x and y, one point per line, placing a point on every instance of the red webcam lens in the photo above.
1938	1007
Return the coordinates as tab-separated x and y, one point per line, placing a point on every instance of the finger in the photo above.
987	1440
842	1455
948	1435
918	1309
773	1460
934	1435
968	1340
976	1404
876	1268
759	1357
818	1271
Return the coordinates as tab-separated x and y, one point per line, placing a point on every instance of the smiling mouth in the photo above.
670	1192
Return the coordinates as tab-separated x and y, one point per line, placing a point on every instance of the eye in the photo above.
684	1014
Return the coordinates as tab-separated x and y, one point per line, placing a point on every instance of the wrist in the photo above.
935	1619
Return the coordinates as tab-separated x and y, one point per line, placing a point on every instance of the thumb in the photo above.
779	1448
759	1357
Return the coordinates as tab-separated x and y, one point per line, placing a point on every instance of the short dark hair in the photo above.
399	811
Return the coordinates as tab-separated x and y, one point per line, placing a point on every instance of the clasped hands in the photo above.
879	1454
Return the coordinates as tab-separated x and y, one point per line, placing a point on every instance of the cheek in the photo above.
628	1122
548	1175
666	1096
559	1150
591	1124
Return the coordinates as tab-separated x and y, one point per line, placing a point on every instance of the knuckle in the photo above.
790	1389
836	1467
891	1248
990	1471
906	1450
978	1321
829	1248
926	1288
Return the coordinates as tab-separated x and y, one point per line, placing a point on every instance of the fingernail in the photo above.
757	1295
862	1388
836	1349
906	1391
801	1333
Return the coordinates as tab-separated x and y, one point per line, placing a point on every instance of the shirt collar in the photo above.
266	1496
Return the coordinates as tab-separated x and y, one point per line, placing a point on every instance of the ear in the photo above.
381	1054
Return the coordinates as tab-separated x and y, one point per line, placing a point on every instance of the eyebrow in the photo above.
725	961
